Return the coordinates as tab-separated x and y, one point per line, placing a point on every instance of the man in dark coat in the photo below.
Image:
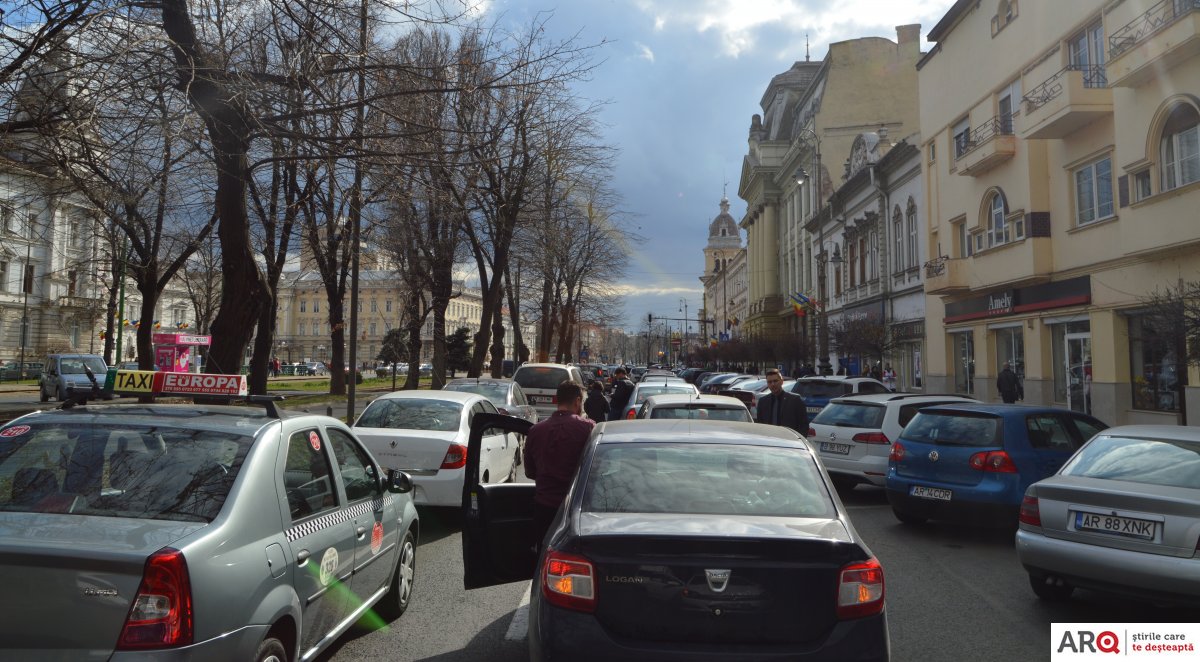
1009	385
780	407
622	389
596	405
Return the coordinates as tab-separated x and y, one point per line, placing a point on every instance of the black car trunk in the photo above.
717	590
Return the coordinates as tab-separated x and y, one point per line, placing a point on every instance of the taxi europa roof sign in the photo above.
154	382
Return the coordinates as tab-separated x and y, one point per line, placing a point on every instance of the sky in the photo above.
682	79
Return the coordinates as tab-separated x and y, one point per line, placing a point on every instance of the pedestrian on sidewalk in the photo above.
780	407
552	451
596	404
1009	385
621	390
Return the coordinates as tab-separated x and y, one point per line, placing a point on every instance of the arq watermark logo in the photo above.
1129	641
1087	641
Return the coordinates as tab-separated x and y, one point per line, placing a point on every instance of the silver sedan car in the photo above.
194	532
1122	516
507	395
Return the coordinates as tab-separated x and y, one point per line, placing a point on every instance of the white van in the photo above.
540	382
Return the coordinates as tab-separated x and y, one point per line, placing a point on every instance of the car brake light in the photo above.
631	414
897	454
811	433
161	615
568	581
456	457
1029	511
871	438
860	590
993	462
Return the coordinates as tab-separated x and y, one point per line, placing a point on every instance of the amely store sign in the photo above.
1059	294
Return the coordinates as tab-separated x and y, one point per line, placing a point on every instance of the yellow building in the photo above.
1062	175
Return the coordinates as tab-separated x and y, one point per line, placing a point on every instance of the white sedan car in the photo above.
696	407
425	433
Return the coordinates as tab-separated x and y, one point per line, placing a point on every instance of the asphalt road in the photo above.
953	593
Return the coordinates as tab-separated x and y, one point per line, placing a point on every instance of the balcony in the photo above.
1152	41
1066	101
947	275
86	303
1023	262
989	145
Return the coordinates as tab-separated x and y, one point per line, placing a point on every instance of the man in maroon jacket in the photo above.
552	451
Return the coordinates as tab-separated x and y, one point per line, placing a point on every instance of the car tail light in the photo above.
1029	511
872	438
860	590
631	414
993	462
456	457
568	581
811	433
897	454
161	615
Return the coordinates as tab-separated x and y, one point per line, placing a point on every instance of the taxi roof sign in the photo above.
154	382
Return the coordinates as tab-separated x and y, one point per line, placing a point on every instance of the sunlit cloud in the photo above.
739	26
644	52
642	290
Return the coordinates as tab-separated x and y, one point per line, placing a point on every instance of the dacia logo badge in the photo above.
717	579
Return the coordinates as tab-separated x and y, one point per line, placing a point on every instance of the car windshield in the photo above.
547	378
412	414
954	429
659	389
702	412
497	393
852	415
1153	461
689	478
143	472
74	365
831	389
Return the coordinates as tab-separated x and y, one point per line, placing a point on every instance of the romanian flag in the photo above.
799	301
712	342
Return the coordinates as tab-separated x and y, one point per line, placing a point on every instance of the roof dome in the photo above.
723	225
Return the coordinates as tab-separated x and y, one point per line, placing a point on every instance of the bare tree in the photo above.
201	277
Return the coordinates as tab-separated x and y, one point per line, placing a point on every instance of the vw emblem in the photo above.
933	456
717	579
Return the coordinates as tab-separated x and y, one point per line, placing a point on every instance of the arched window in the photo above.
898	238
997	230
1180	147
723	232
913	257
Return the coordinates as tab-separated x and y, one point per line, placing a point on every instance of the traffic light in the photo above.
650	318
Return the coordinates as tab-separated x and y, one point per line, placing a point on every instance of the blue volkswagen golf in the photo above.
972	462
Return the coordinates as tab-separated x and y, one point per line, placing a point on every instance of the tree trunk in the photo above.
264	338
337	348
520	351
546	324
414	321
498	343
145	348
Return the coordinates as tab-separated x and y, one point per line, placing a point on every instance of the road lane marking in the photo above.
518	628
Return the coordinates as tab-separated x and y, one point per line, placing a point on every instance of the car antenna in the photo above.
268	403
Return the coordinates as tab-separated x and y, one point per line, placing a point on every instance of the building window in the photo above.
1094	192
300	329
965	247
304	306
316	305
964	362
997	231
374	306
913	257
72	282
1007	106
1141	185
1155	366
1087	55
932	152
372	330
27	286
962	137
3	276
898	237
862	261
8	216
387	306
74	333
1180	148
850	264
873	267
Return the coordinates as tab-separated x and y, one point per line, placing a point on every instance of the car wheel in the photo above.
1050	589
271	650
907	518
394	604
62	396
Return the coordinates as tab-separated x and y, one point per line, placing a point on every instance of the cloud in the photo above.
740	26
625	289
644	52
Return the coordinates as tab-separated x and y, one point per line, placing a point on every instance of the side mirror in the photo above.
398	482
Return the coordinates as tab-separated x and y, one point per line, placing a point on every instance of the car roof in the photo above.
906	397
564	366
686	398
479	380
244	420
1165	432
1000	409
642	430
457	396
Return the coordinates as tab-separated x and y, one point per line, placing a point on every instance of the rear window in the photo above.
702	412
690	478
822	390
852	415
412	414
957	429
74	366
1151	461
645	392
545	378
497	393
119	471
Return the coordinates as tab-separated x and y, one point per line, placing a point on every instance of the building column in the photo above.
771	264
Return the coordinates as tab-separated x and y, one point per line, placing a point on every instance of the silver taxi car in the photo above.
194	532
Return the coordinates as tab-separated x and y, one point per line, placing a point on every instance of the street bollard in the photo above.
329	411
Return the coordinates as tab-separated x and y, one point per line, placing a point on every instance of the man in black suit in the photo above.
780	407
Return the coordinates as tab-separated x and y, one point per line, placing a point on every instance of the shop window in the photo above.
1155	367
1010	349
964	363
1058	334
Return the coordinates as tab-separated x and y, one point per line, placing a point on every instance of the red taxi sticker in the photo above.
15	431
314	440
376	538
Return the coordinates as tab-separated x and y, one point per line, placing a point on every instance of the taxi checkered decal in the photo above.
336	517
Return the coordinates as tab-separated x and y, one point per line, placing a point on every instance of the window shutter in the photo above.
1123	190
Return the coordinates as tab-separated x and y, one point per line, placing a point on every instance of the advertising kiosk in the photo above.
173	351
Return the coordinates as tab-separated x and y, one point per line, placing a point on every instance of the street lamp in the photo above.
823	315
683	347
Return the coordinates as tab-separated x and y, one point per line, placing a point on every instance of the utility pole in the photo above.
26	285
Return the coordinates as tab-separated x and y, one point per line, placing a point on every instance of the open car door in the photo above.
498	518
